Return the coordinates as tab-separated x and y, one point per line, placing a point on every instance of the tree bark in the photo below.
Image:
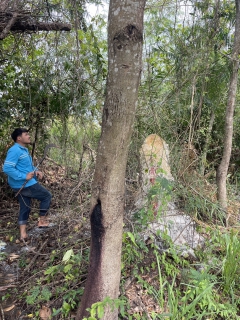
227	148
125	37
8	26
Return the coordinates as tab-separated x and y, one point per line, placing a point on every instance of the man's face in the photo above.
24	138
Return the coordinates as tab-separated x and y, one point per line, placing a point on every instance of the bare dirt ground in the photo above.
36	283
23	265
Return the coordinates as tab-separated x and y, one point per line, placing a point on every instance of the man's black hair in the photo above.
18	132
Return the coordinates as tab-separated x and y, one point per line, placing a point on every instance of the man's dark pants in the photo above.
35	191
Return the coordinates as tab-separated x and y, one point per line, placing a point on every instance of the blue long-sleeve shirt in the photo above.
17	165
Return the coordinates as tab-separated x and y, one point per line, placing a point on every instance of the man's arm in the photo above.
9	166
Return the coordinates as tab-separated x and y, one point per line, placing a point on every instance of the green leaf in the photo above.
66	306
67	268
51	270
56	311
100	311
46	294
68	255
131	236
34	293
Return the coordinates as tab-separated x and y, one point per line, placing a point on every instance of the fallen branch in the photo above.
8	286
36	255
2	313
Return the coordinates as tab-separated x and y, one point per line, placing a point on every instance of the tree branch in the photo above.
23	21
9	25
40	26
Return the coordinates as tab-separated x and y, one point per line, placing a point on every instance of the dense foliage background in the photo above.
53	82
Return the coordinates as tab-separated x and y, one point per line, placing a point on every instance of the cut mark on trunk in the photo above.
97	229
105	115
114	108
125	66
128	34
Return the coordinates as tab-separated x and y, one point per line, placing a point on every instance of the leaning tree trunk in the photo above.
227	148
125	37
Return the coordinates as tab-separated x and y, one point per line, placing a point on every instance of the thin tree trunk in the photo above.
35	139
191	132
207	142
227	148
125	37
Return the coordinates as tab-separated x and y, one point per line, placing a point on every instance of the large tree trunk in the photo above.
227	149
125	37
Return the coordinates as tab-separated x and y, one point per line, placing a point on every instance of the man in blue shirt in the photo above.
19	167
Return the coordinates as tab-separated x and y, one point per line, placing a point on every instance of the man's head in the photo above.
21	136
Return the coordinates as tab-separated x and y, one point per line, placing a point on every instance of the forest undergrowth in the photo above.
44	278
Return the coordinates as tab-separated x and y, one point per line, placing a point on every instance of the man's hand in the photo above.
39	174
30	175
